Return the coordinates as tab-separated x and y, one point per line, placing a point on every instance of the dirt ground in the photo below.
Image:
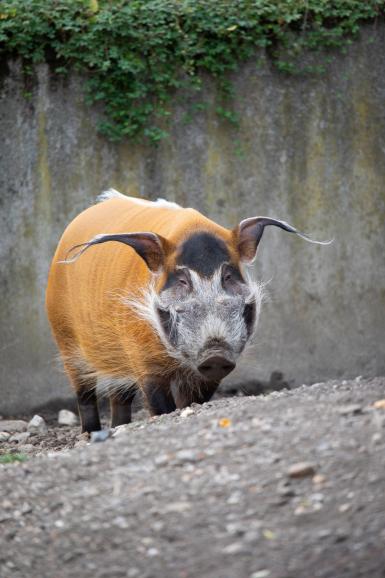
214	492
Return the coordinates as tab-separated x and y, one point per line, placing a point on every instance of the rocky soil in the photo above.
288	485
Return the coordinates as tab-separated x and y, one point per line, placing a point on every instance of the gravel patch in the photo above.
286	485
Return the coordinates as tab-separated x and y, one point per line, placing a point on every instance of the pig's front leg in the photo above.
186	394
158	397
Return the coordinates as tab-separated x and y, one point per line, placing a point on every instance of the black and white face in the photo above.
207	311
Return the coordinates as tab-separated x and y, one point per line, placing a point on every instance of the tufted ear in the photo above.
150	247
249	233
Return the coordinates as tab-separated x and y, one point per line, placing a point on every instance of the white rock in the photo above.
260	574
37	425
235	548
4	436
67	417
13	425
189	456
186	412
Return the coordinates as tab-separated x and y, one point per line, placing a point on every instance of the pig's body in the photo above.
125	315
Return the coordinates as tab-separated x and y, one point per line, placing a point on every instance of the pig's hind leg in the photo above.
84	384
120	404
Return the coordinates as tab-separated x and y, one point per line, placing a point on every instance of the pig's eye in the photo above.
183	280
227	277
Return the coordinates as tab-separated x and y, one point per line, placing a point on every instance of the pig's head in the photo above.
202	304
207	307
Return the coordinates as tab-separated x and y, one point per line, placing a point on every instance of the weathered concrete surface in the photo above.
309	150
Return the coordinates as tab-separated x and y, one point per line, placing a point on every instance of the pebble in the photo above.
178	507
344	508
4	436
100	436
352	409
120	430
66	417
319	479
235	548
379	404
301	470
163	459
13	425
317	497
186	412
285	490
260	574
37	425
324	533
20	437
191	456
376	438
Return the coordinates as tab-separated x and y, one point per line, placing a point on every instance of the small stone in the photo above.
4	436
252	536
120	430
189	456
352	409
319	479
37	425
341	535
178	507
379	404
13	425
162	460
260	574
300	510
376	438
67	417
235	548
20	437
344	508
120	522
269	534
301	470
317	497
186	412
151	552
234	498
100	436
285	490
324	533
236	528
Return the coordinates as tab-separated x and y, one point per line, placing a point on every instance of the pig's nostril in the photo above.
216	367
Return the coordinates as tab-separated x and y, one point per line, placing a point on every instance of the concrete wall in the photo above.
309	150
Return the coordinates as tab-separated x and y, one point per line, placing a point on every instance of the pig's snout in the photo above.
216	367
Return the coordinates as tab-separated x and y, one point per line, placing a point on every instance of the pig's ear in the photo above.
249	233
150	247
